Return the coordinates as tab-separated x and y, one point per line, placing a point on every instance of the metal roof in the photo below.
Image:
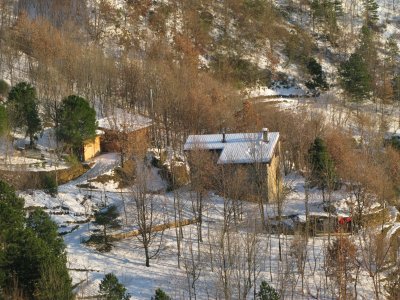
239	148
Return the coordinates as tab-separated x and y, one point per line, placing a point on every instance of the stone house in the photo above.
116	133
124	130
255	153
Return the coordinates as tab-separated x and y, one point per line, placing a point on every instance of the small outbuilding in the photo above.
91	147
122	129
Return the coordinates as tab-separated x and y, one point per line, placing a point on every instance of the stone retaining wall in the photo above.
161	227
23	180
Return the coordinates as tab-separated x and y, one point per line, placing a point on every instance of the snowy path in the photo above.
102	164
395	227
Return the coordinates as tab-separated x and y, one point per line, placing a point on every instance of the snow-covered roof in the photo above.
238	148
122	120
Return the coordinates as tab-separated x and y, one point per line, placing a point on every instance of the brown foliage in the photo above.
341	262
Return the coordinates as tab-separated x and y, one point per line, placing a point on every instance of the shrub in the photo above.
267	292
111	289
50	185
161	295
72	160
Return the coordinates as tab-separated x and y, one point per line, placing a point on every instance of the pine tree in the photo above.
50	184
111	289
23	107
161	295
396	87
371	12
32	252
327	12
40	222
3	120
11	210
267	292
54	281
392	53
318	79
368	49
322	167
76	122
355	78
107	218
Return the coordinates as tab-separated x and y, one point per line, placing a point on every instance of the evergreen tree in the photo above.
54	281
40	222
392	53
396	87
11	210
371	12
31	251
322	166
22	104
267	292
24	255
355	78
318	79
76	122
107	218
161	295
111	289
326	12
11	219
50	185
3	120
368	49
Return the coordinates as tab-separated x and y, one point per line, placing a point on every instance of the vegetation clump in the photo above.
111	289
32	256
76	123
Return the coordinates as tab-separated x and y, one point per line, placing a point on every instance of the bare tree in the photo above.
341	262
192	263
374	253
148	216
202	173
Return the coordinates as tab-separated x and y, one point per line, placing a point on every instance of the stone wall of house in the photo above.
112	141
274	178
91	148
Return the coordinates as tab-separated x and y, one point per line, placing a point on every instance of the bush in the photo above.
160	295
72	160
50	185
242	71
267	292
111	289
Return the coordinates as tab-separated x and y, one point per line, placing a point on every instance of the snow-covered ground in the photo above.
263	91
73	206
17	156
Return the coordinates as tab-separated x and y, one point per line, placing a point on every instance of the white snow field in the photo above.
73	206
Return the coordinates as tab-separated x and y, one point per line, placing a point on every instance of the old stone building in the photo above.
118	132
123	128
255	153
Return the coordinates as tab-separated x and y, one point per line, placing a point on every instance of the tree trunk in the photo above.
146	251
